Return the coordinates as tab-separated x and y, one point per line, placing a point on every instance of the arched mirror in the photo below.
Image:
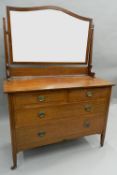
47	35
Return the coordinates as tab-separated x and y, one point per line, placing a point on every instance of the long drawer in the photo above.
37	115
56	130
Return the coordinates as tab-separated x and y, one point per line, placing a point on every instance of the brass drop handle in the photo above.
88	107
86	124
41	98
89	94
41	134
41	114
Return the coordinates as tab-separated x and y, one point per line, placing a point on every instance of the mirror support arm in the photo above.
90	73
6	48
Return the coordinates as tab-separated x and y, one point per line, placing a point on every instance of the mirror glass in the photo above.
48	36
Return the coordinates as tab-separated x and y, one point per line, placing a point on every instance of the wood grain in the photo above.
30	116
45	83
66	116
47	71
96	93
50	97
56	130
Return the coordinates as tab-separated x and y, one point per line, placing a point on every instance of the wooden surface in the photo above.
47	71
69	112
57	130
30	115
32	98
58	96
44	83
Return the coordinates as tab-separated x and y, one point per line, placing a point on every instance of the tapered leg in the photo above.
13	134
14	161
102	138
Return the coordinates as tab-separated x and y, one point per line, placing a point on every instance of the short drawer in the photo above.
88	93
35	116
56	130
41	97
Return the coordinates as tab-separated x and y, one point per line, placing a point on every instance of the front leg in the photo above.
14	154
102	138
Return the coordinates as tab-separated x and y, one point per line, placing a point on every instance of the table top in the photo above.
24	84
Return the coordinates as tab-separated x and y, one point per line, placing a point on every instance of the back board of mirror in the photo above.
47	36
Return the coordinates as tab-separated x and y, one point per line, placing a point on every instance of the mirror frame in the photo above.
45	8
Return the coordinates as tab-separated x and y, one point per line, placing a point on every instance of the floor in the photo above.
78	157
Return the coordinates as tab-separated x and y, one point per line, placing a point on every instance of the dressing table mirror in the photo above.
52	92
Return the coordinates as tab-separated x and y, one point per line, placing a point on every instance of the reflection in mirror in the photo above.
48	36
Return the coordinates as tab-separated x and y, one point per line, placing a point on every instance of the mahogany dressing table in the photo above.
53	95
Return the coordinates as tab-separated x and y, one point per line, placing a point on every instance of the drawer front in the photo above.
41	98
38	115
56	130
87	94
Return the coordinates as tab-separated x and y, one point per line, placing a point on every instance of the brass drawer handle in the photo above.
89	94
88	107
86	124
41	98
41	134
41	114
